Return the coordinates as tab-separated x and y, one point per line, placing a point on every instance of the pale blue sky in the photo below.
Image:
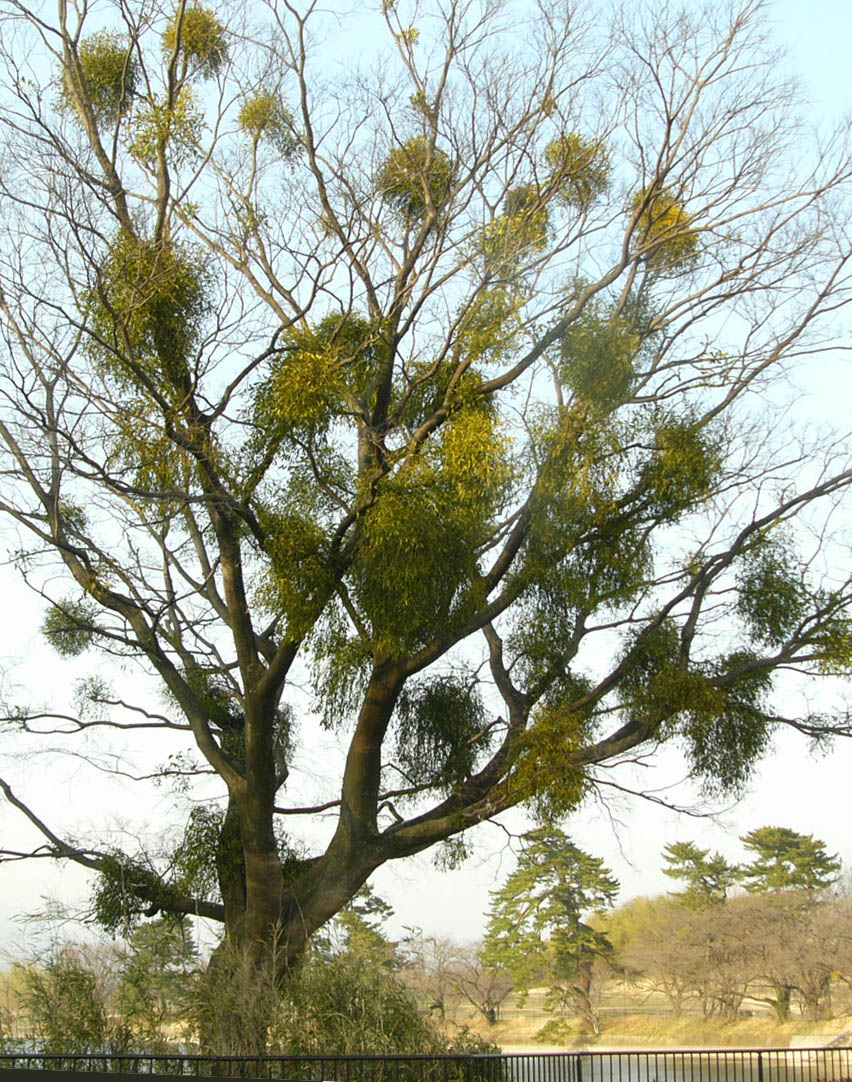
818	34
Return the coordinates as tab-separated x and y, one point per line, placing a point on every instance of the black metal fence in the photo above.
705	1065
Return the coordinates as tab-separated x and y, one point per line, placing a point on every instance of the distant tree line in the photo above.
784	938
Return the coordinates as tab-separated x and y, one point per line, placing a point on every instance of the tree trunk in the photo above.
582	989
781	1003
234	1007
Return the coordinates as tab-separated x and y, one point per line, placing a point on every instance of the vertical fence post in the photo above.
759	1067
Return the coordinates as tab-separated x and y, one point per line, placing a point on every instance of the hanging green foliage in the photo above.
772	597
728	731
298	549
147	309
664	231
579	169
110	73
340	669
264	116
683	468
418	549
521	230
194	864
173	129
655	686
490	327
576	470
440	731
598	357
123	891
475	461
431	388
318	372
74	517
416	177
416	558
70	626
526	208
834	640
552	785
157	463
199	38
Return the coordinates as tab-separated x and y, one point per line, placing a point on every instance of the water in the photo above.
824	1065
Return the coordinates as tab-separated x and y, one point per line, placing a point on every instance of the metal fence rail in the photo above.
704	1065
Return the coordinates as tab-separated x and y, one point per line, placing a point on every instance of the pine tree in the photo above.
536	928
786	860
708	878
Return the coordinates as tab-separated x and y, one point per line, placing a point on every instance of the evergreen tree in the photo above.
786	860
708	878
536	928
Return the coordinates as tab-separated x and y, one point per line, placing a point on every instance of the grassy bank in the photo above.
644	1031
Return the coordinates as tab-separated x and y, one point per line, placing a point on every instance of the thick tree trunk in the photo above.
269	924
234	1007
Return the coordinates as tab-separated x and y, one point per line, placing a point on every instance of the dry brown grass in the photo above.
517	1030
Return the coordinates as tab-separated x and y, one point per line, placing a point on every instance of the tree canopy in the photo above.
708	878
536	928
440	376
787	860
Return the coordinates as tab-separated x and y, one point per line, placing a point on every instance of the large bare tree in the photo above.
444	363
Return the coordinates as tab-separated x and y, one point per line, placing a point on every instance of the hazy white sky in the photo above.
811	795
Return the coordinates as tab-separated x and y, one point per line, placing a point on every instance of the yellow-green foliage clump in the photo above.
416	177
305	389
146	310
265	116
309	384
297	547
155	462
526	210
490	327
419	541
598	356
580	169
173	129
577	469
109	73
772	596
521	228
444	389
69	627
199	38
556	731
654	686
475	458
664	232
441	725
684	466
726	728
416	558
